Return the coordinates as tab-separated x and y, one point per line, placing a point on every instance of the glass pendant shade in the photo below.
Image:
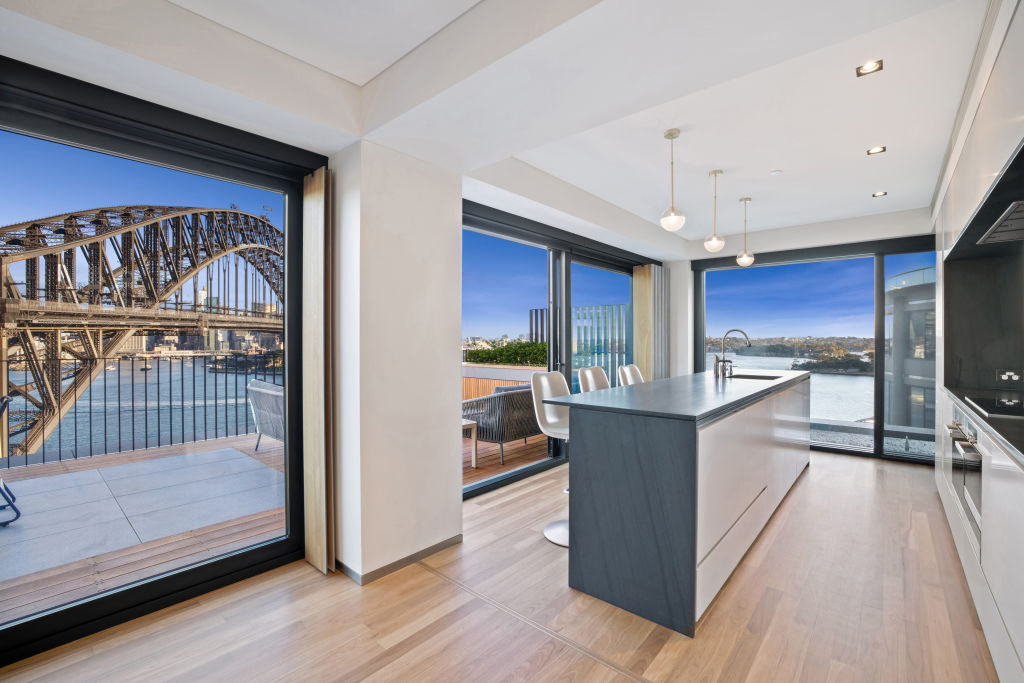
746	259
714	243
672	220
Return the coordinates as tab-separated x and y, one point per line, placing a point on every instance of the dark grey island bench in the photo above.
671	481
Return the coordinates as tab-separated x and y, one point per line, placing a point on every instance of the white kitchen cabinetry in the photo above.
1002	536
738	487
992	564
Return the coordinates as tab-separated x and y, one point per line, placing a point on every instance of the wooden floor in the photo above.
25	595
854	579
488	461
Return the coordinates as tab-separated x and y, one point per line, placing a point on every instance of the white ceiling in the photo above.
809	116
562	105
352	39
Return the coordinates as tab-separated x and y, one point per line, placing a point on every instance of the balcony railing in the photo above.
911	278
141	401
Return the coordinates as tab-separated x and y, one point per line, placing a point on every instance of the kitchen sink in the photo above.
740	376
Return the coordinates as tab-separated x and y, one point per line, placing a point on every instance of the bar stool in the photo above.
629	374
554	422
592	379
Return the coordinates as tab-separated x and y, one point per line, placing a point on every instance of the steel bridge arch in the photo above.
159	249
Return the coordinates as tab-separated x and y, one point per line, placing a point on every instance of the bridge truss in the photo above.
59	330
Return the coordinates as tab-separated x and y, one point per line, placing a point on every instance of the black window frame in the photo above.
564	248
876	249
49	105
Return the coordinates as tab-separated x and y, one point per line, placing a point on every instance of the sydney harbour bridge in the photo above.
143	269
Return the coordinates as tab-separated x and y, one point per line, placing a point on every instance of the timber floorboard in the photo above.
854	578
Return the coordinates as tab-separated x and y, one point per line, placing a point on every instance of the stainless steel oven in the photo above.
966	462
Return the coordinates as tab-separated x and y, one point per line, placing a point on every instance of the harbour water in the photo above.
141	403
833	397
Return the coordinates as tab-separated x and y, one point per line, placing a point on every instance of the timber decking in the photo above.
488	463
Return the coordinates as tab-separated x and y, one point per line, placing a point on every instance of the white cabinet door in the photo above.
1002	536
943	462
733	457
791	439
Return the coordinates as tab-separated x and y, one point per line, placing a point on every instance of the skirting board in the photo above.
363	579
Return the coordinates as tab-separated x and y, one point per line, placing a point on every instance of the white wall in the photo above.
680	301
400	475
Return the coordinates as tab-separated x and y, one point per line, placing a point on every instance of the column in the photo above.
397	358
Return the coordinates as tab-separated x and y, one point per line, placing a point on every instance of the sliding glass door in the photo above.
910	354
148	356
505	336
534	298
834	312
817	317
601	321
138	356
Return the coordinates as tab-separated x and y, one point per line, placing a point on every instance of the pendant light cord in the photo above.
714	213
672	173
745	205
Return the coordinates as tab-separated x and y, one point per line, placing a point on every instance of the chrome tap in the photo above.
723	367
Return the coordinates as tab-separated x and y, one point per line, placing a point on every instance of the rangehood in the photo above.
1008	228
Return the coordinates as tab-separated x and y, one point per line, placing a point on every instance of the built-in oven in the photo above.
966	461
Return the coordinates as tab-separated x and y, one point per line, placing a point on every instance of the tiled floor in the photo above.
73	516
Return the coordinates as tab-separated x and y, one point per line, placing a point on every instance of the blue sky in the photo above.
822	299
42	178
503	280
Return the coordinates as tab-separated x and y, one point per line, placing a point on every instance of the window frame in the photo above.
48	105
564	248
876	249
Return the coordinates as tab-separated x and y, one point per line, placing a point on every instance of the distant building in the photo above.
135	344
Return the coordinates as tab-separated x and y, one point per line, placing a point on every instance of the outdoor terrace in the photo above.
94	524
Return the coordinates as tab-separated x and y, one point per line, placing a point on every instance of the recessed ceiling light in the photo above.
871	67
775	171
879	194
876	150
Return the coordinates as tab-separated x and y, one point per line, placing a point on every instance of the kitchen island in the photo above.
671	481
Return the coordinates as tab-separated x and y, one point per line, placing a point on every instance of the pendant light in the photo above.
672	220
745	259
714	243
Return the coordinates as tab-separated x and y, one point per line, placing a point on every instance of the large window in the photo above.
602	321
148	356
805	316
835	311
910	353
141	352
534	298
504	341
